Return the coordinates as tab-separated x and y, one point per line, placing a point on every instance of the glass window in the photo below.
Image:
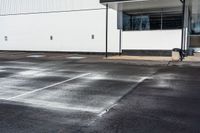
127	22
140	23
195	21
152	21
172	21
136	22
145	24
195	27
155	21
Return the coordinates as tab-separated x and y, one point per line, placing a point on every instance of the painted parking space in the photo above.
69	87
62	93
39	95
17	78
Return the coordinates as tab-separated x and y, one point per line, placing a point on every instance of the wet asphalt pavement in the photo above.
59	93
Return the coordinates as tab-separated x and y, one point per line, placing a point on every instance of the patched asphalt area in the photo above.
60	93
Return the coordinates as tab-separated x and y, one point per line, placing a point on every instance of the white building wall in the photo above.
36	6
151	40
72	29
113	32
28	24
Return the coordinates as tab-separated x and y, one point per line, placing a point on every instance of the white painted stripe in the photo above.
43	88
35	56
76	57
21	62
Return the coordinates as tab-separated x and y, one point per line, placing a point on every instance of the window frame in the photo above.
153	12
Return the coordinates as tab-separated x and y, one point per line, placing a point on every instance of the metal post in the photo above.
120	27
120	41
183	32
106	30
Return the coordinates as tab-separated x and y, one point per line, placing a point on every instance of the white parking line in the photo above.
35	56
43	88
21	62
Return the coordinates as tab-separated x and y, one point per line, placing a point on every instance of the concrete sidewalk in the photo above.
144	58
192	59
154	60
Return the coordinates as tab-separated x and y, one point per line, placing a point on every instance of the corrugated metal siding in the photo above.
36	6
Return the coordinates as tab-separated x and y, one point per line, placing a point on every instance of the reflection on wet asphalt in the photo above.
54	96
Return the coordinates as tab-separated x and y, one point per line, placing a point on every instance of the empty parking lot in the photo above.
64	93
